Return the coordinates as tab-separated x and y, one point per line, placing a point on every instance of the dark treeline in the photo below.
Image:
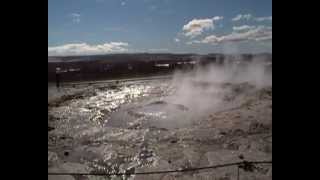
99	67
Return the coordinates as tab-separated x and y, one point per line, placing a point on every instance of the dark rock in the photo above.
158	102
173	141
130	170
247	166
66	153
241	156
63	137
50	128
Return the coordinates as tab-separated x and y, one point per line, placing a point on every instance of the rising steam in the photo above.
204	89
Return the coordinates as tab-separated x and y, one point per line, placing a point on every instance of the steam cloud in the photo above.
202	90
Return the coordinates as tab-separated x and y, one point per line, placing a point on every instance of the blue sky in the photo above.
177	26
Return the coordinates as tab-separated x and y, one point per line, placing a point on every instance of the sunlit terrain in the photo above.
196	119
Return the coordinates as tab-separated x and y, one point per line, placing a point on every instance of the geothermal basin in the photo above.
158	125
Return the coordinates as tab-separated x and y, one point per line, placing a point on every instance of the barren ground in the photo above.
136	127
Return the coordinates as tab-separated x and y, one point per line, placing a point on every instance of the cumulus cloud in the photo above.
243	28
242	17
195	27
86	49
75	17
260	33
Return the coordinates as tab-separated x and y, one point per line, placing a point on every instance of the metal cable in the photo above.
162	172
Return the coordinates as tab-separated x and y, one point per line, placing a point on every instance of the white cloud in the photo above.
86	49
123	3
193	42
75	17
197	26
176	40
251	17
242	17
260	33
217	18
242	28
268	18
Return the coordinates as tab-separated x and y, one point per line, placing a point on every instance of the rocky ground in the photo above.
136	127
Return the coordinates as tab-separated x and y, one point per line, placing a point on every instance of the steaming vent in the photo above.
157	114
